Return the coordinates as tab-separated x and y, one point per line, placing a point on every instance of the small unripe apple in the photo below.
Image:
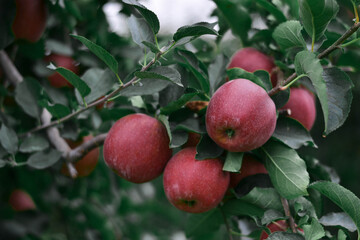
194	186
55	79
249	167
85	165
240	116
30	19
137	148
278	226
21	201
251	60
302	106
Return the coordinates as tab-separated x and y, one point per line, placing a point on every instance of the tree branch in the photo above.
9	68
100	101
321	55
84	148
288	214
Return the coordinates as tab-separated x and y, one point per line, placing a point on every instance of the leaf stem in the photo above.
292	82
355	12
313	41
350	42
286	207
118	77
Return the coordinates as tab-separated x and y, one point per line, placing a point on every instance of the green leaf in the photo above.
294	8
163	73
281	98
338	219
190	125
56	110
207	148
151	46
233	161
140	31
313	231
2	163
288	35
272	215
7	13
286	169
265	198
41	160
285	236
8	139
34	143
236	207
164	119
217	72
178	138
264	76
73	8
303	207
316	15
342	197
341	235
198	224
149	16
235	73
196	67
99	81
195	30
115	113
75	80
237	17
27	94
339	93
307	63
100	52
292	133
175	105
271	8
145	87
58	47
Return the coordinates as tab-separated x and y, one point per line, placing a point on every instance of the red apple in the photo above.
251	60
278	226
67	62
240	116
193	140
85	165
302	106
137	148
194	186
30	19
21	201
249	167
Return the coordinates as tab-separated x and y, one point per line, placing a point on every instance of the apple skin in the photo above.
278	226
251	60
21	201
85	165
55	79
302	106
240	116
30	19
194	186
137	148
249	167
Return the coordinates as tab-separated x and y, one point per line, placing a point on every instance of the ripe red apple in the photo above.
251	60
249	167
278	226
240	116
302	106
85	165
194	186
30	19
56	79
193	140
21	201
137	148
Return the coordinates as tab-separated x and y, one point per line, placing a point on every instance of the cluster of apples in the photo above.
240	117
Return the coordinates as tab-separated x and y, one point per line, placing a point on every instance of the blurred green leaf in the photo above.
338	219
288	35
281	98
207	148
313	231
235	207
73	8
217	72
55	46
271	8
236	73
292	133
316	15
233	161
195	30
100	52
177	104
41	160
285	236
8	139
7	13
265	198
286	169
151	46
198	224
2	163
145	87
56	110
27	94
140	31
34	143
342	197
149	16
163	73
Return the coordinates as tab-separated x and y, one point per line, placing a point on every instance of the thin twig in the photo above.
323	54
288	214
84	148
9	68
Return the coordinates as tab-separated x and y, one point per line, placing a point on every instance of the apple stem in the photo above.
286	207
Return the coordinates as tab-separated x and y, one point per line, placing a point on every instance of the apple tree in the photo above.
227	130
